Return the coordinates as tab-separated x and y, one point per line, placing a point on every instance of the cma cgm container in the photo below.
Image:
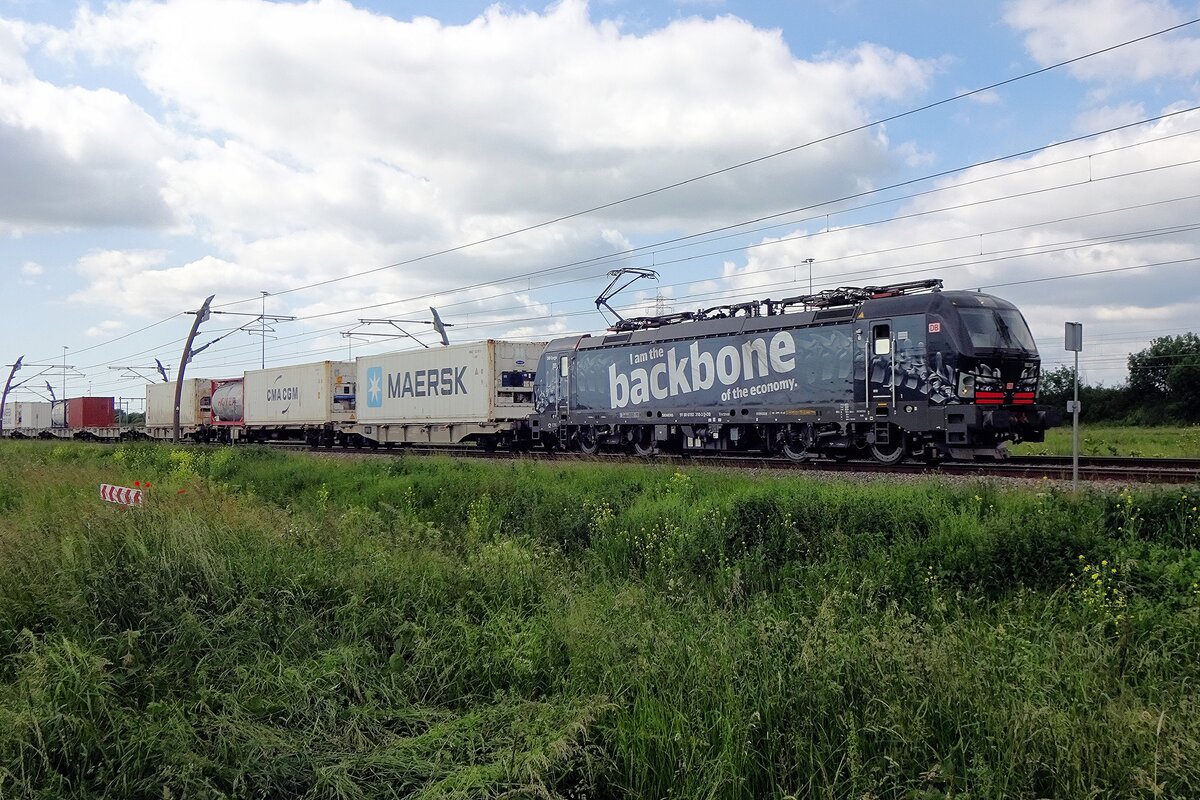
481	392
306	401
25	416
90	412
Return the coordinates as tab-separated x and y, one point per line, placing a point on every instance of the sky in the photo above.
366	160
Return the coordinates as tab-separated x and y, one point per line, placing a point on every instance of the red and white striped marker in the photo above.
120	494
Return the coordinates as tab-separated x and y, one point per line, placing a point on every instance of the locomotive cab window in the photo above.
882	334
997	329
563	369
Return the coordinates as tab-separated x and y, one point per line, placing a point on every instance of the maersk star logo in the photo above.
375	387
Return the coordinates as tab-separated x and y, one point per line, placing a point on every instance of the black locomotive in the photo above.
885	371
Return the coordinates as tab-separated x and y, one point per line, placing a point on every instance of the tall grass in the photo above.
289	626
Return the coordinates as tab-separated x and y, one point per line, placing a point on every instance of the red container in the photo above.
90	412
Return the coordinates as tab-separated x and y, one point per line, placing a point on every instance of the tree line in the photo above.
1163	387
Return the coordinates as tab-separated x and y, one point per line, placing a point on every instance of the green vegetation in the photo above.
292	626
1117	440
1163	387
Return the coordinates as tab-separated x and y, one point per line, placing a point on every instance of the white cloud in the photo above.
32	268
105	328
316	140
1106	117
989	97
1056	30
75	158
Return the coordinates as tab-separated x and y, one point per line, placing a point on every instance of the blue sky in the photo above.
157	152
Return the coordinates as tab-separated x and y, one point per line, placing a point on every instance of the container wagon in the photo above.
85	418
480	392
195	411
299	402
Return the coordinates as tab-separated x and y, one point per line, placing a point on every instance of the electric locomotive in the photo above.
885	372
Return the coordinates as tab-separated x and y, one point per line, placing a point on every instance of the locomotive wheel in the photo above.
589	445
893	452
794	451
645	447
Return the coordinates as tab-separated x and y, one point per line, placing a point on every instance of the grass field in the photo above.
1130	441
275	625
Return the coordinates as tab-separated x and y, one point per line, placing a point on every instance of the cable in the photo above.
882	189
631	251
723	170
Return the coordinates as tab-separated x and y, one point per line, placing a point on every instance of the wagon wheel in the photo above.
796	451
644	445
893	452
589	444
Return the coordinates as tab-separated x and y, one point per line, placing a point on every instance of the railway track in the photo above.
1091	468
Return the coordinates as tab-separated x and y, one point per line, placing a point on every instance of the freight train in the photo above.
880	372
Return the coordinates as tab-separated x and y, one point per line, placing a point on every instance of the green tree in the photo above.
1057	386
1168	372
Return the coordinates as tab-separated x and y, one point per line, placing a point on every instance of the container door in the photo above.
881	368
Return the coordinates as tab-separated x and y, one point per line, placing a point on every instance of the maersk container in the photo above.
299	395
481	382
194	404
91	412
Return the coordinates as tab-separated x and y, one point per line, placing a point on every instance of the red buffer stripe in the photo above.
989	398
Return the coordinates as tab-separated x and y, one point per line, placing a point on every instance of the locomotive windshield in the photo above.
997	329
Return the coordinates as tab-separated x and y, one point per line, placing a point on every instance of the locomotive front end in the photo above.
997	367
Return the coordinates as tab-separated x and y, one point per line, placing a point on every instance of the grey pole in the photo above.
264	331
201	316
7	386
1074	342
1075	431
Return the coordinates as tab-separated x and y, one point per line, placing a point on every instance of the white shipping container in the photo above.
442	385
300	394
194	408
35	414
26	414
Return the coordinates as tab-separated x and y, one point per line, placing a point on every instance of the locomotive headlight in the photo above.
966	385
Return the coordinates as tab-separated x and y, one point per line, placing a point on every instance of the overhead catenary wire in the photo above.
932	176
737	166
